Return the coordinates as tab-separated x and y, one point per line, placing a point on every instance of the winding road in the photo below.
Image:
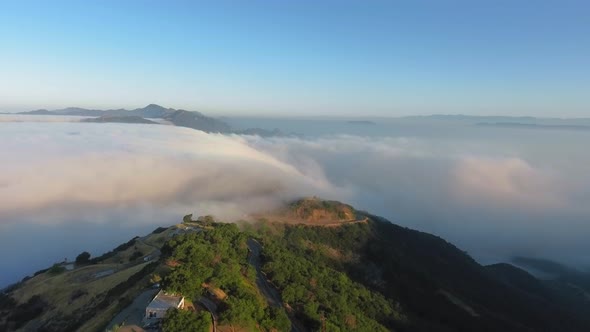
272	295
212	308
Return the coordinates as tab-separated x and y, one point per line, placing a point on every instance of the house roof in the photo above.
164	301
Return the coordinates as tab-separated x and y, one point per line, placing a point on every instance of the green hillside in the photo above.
328	268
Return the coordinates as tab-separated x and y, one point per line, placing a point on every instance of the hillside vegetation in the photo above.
312	266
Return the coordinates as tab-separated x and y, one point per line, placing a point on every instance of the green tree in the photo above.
56	269
83	258
184	320
187	218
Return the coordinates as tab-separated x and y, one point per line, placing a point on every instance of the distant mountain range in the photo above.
519	125
181	118
513	122
119	119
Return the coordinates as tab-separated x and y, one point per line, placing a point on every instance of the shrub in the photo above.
56	269
83	258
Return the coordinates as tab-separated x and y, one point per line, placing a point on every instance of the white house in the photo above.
161	303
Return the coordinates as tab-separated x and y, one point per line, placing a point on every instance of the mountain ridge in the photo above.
177	117
349	276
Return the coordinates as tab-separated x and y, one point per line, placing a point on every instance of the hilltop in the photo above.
312	265
312	211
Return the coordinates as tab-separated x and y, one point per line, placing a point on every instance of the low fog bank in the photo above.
69	187
493	204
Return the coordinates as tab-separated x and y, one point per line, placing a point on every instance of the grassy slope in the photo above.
71	291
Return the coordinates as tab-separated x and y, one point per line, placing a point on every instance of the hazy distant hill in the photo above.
262	132
361	122
518	125
477	118
196	120
150	111
526	122
181	118
119	119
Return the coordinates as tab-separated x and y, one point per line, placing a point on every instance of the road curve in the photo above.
212	308
272	295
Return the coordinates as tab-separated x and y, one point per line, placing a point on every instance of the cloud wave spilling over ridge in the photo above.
68	187
491	204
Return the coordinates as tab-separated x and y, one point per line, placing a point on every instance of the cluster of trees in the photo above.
83	258
185	320
323	296
364	274
218	258
56	269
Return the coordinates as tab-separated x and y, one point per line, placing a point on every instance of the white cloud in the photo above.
106	166
506	182
71	178
39	118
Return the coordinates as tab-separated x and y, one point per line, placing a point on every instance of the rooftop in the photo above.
164	301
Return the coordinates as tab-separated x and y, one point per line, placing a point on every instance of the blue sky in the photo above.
382	58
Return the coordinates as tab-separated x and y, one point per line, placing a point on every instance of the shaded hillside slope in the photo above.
359	272
436	286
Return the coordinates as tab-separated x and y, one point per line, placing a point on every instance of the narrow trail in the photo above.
272	295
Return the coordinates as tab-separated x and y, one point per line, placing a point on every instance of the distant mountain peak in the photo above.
178	117
155	106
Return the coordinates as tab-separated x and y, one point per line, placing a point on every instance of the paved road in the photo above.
135	312
212	308
273	297
156	253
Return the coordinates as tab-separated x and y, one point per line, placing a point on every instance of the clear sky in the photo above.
287	57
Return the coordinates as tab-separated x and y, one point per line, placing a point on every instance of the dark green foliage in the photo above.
83	258
414	271
187	218
116	291
113	252
276	319
19	315
40	271
77	294
6	301
218	257
319	292
416	266
401	275
206	220
184	320
56	269
243	308
159	230
135	255
126	245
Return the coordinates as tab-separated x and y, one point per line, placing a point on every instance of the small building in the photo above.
161	303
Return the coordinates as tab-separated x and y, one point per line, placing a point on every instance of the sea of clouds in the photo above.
67	187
